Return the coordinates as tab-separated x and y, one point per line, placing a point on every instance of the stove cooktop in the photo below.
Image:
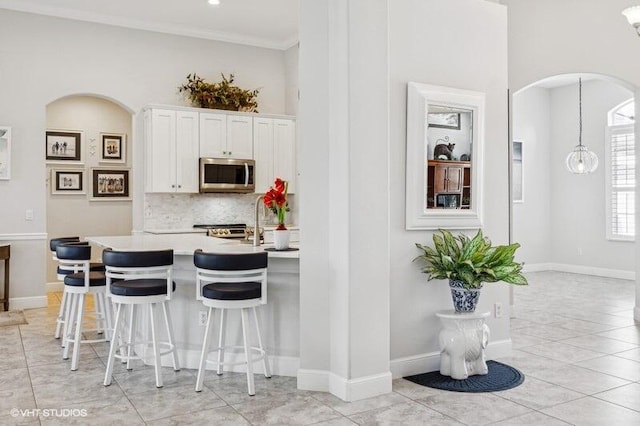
225	230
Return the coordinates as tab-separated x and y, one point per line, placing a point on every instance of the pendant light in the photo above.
633	16
581	160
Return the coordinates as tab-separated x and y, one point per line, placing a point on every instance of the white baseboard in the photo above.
415	364
313	380
581	269
54	286
347	390
363	387
27	302
537	267
424	363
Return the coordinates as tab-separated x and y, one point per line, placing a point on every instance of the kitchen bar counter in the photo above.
185	244
280	318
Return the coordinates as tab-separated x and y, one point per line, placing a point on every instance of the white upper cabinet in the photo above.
240	137
171	151
274	147
226	136
213	135
175	139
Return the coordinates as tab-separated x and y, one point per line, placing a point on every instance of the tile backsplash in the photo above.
182	211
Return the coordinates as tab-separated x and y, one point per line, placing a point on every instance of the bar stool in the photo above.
232	281
76	258
61	272
137	278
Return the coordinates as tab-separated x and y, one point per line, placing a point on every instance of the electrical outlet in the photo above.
28	214
202	318
579	251
497	308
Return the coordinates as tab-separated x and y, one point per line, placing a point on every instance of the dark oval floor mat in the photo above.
500	377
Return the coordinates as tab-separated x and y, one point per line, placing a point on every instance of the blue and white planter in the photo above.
464	300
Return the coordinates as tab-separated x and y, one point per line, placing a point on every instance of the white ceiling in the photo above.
264	23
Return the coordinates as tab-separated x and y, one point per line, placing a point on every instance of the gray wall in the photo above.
474	57
562	222
532	218
578	202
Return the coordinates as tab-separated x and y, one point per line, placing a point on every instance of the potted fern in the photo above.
468	263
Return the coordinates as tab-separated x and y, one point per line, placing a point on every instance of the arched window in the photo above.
620	172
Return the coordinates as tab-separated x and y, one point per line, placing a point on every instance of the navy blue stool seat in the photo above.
232	281
136	278
78	279
141	287
232	291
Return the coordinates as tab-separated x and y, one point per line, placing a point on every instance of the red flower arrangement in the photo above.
275	199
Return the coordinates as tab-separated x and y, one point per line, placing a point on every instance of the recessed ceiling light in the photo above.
214	2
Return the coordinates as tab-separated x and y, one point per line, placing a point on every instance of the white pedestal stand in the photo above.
463	339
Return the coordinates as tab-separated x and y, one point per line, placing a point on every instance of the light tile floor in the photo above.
574	338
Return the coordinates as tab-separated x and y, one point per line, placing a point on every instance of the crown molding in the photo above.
146	25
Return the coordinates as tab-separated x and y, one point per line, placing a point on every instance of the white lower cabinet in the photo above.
274	150
171	150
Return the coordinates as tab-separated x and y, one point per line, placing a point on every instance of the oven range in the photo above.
239	231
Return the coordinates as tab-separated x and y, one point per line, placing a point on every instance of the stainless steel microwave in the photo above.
227	175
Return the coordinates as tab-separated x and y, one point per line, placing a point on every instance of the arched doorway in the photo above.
103	129
562	222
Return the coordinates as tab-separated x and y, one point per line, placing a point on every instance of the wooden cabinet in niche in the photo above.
449	184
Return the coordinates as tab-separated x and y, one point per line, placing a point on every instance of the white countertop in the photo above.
177	231
185	244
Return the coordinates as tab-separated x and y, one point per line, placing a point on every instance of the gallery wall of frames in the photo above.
65	153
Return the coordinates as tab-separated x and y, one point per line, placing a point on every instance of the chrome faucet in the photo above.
256	228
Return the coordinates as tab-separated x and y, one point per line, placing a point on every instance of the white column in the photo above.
636	311
344	197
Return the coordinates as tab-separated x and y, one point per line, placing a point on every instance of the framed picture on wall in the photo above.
67	181
517	172
444	120
114	148
63	145
110	184
5	153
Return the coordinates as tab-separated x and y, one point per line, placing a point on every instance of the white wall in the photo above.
344	269
474	57
562	220
550	37
291	79
44	59
69	215
578	202
532	218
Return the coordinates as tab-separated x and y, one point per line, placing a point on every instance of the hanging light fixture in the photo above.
633	16
581	160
